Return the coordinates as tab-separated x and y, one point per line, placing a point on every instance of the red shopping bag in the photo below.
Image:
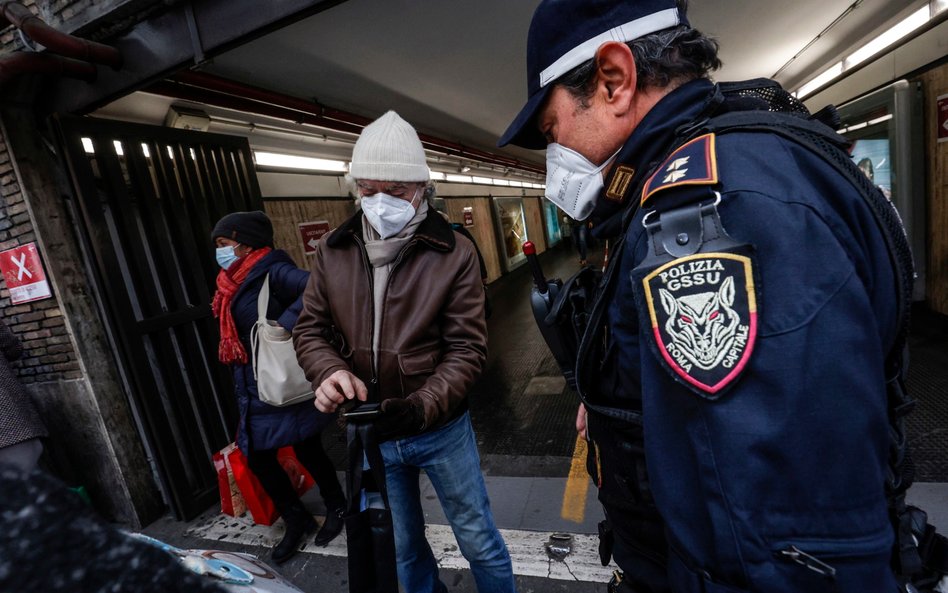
232	502
300	478
259	504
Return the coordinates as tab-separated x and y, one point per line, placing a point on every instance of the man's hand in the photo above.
581	421
400	418
337	388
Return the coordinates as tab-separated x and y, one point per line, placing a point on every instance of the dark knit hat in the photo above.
253	229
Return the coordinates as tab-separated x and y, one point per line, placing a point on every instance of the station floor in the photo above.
523	414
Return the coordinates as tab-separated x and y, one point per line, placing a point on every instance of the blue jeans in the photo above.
450	459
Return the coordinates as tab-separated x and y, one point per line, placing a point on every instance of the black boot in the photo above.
332	526
299	524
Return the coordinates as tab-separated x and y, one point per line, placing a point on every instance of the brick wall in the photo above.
48	353
89	19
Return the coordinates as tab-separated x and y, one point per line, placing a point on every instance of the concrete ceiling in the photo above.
456	68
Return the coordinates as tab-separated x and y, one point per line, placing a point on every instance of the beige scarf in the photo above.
382	252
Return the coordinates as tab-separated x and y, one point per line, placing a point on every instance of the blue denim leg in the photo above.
417	568
450	459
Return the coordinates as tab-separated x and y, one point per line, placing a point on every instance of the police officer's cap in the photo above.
566	33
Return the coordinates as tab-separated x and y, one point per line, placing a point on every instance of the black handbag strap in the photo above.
362	444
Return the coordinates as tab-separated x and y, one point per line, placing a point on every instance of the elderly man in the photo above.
394	313
734	370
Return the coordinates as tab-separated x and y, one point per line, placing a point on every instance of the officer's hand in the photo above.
581	421
399	418
337	388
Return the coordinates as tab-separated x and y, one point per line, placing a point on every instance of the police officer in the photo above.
737	346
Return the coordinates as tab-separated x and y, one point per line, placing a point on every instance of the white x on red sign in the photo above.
23	274
21	267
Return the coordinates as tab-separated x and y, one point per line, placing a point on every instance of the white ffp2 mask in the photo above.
387	214
573	182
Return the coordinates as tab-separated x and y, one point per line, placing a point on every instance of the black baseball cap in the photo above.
566	33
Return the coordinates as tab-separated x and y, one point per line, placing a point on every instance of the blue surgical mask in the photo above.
226	256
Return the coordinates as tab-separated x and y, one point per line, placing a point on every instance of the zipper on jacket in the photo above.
391	276
374	381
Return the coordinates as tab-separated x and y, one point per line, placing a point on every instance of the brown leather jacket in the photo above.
433	337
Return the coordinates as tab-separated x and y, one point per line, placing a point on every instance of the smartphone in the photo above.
363	412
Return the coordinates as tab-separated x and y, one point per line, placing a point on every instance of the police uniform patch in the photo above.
621	179
703	311
694	163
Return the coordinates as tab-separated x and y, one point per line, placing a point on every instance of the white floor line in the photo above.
527	548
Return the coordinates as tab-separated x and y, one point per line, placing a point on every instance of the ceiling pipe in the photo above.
176	90
23	62
56	41
227	93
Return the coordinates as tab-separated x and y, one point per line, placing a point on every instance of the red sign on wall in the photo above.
942	118
311	232
23	274
468	214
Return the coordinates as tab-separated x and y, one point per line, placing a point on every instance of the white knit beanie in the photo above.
389	150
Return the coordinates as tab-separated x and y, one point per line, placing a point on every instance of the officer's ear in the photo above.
616	75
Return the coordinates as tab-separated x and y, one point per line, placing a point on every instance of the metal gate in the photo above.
148	198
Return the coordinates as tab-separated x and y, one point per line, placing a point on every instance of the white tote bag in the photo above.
280	380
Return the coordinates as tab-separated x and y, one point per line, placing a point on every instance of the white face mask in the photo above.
573	182
387	214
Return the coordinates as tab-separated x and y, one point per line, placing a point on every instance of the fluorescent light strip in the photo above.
916	20
826	76
886	39
482	180
289	161
866	124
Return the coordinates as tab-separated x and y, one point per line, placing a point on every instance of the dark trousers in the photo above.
581	237
636	533
277	484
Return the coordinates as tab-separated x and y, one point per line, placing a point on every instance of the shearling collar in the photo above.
434	231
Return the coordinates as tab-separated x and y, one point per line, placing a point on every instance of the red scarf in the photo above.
228	283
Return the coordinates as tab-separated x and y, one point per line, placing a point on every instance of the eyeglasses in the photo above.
398	190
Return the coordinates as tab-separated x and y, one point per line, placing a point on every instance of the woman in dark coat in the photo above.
20	425
245	253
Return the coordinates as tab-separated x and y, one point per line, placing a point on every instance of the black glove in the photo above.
400	418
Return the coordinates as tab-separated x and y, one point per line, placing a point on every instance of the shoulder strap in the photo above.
263	300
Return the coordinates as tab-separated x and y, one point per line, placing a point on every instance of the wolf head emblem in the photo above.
702	325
